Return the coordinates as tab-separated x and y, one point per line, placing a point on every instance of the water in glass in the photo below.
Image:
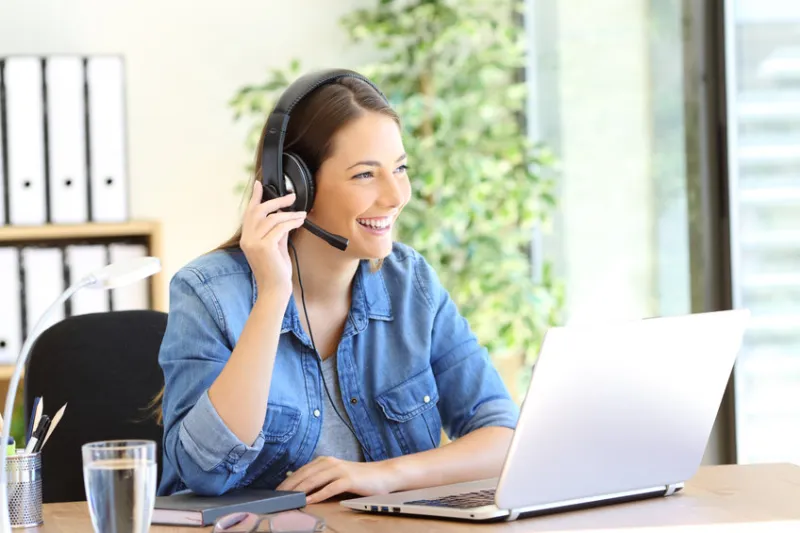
120	482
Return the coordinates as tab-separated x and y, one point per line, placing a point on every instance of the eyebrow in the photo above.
375	163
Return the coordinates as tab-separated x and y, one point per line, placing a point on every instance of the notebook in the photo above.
190	509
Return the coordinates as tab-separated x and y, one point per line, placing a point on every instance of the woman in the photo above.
337	377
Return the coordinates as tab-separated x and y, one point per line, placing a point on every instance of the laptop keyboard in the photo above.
466	500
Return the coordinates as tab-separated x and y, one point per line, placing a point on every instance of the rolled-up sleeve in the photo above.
207	440
201	449
472	394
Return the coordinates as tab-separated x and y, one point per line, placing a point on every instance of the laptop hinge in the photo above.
674	487
513	514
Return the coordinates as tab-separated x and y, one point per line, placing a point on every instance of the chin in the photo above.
373	251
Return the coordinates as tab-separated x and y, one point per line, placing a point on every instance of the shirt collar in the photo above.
370	298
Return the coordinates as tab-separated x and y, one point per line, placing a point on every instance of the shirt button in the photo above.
426	399
316	413
289	473
353	401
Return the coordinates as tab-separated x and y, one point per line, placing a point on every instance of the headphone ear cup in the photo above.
302	180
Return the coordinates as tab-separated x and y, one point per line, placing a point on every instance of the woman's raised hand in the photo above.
265	232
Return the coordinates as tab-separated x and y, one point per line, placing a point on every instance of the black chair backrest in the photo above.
104	366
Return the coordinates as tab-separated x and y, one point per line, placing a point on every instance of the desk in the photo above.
724	495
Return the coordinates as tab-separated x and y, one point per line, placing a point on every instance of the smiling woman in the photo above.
254	397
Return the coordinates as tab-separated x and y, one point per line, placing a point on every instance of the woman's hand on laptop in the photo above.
325	477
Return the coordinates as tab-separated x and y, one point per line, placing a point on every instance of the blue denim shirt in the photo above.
408	364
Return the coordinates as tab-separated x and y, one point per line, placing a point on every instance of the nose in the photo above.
394	191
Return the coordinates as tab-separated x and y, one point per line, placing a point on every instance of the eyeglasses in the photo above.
285	522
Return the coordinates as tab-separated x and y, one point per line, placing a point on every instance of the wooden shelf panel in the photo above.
6	371
51	232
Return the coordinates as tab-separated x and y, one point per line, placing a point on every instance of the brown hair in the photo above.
314	122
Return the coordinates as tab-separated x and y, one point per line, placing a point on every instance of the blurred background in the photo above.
573	160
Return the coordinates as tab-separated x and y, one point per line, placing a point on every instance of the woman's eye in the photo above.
363	175
402	168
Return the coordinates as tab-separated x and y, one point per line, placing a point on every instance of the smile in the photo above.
379	224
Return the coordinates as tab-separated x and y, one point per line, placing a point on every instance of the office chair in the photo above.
105	367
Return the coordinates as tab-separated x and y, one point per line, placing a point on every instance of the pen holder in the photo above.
24	474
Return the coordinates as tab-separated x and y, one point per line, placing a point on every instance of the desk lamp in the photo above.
109	277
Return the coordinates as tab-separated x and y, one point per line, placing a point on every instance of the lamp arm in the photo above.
5	520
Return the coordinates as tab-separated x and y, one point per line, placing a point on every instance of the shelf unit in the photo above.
141	231
148	231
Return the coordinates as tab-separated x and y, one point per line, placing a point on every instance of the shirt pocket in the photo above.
411	412
280	426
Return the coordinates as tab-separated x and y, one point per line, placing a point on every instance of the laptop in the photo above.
613	413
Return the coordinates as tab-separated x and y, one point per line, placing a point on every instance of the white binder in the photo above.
107	164
2	172
136	295
44	283
81	260
66	134
25	139
10	305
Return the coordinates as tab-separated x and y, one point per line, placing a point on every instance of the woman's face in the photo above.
363	186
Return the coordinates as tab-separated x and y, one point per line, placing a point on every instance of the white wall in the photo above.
184	61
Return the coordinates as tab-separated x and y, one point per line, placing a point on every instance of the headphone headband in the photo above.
307	83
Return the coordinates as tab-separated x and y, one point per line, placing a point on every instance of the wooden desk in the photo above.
724	495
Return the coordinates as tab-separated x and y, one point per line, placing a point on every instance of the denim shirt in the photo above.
408	364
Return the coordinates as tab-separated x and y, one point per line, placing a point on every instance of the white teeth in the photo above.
377	223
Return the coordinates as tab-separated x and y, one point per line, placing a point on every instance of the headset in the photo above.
279	167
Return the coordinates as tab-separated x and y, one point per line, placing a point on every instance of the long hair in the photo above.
314	123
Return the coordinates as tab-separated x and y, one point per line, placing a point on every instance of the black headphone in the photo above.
278	166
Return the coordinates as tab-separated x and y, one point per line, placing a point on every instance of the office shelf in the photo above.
56	234
140	231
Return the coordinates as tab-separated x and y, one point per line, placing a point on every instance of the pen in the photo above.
42	434
38	434
36	413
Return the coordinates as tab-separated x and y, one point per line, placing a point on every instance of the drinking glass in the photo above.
120	481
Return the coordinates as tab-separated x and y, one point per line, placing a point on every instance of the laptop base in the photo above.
492	513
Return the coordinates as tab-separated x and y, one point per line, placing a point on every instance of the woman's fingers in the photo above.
265	225
328	491
281	229
317	465
257	211
256	195
317	480
262	210
256	207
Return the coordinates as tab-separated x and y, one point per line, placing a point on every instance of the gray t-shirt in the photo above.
336	439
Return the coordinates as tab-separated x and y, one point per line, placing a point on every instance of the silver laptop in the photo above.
613	413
